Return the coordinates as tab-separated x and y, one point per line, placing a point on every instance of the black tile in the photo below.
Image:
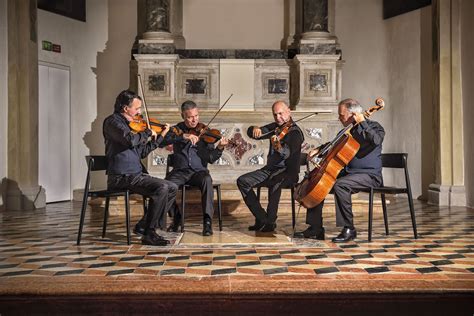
39	259
454	256
463	251
172	271
349	246
404	241
161	252
420	250
205	252
316	256
377	270
151	264
223	258
53	265
199	264
223	271
112	253
132	258
10	265
101	265
441	262
177	258
270	257
27	254
326	270
15	273
334	251
275	270
393	262
246	252
84	259
376	250
284	252
428	270
247	263
391	246
118	272
68	272
470	269
344	262
364	256
408	256
296	263
433	246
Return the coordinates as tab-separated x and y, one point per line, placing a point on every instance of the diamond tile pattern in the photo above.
42	243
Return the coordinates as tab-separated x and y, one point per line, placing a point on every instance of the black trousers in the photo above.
343	189
162	194
200	179
266	178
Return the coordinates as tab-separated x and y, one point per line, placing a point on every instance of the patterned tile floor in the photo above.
42	244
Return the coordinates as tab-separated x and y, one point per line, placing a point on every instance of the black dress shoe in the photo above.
174	227
139	229
153	239
257	226
268	228
310	234
346	234
207	228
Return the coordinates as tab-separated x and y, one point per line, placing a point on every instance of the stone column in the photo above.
163	26
317	68
448	188
22	189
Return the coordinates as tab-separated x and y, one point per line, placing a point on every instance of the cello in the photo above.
333	157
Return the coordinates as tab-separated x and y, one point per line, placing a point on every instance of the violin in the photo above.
208	135
139	124
280	133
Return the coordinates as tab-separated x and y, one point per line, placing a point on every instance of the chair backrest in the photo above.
399	161
94	163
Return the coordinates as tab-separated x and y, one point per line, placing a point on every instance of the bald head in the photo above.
281	112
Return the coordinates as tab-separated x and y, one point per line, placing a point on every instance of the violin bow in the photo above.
140	86
298	120
212	119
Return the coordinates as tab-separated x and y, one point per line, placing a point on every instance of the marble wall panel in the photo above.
272	82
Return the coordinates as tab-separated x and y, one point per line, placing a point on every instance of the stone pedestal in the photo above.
317	80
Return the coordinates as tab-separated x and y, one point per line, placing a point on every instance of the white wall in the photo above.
3	92
382	59
467	55
233	24
98	53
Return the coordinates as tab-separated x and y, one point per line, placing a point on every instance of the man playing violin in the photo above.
124	150
282	168
364	170
191	157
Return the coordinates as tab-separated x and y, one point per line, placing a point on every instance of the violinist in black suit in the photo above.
191	157
282	168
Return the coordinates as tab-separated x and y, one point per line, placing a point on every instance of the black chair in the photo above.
399	161
303	162
99	163
186	187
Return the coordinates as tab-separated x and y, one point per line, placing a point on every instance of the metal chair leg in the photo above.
106	216
127	216
371	209
384	210
293	209
83	214
183	204
219	206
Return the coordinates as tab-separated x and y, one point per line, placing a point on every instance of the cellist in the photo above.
364	170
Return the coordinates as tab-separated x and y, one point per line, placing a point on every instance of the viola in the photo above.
139	124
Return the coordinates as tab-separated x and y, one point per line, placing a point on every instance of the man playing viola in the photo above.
124	149
190	159
282	168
